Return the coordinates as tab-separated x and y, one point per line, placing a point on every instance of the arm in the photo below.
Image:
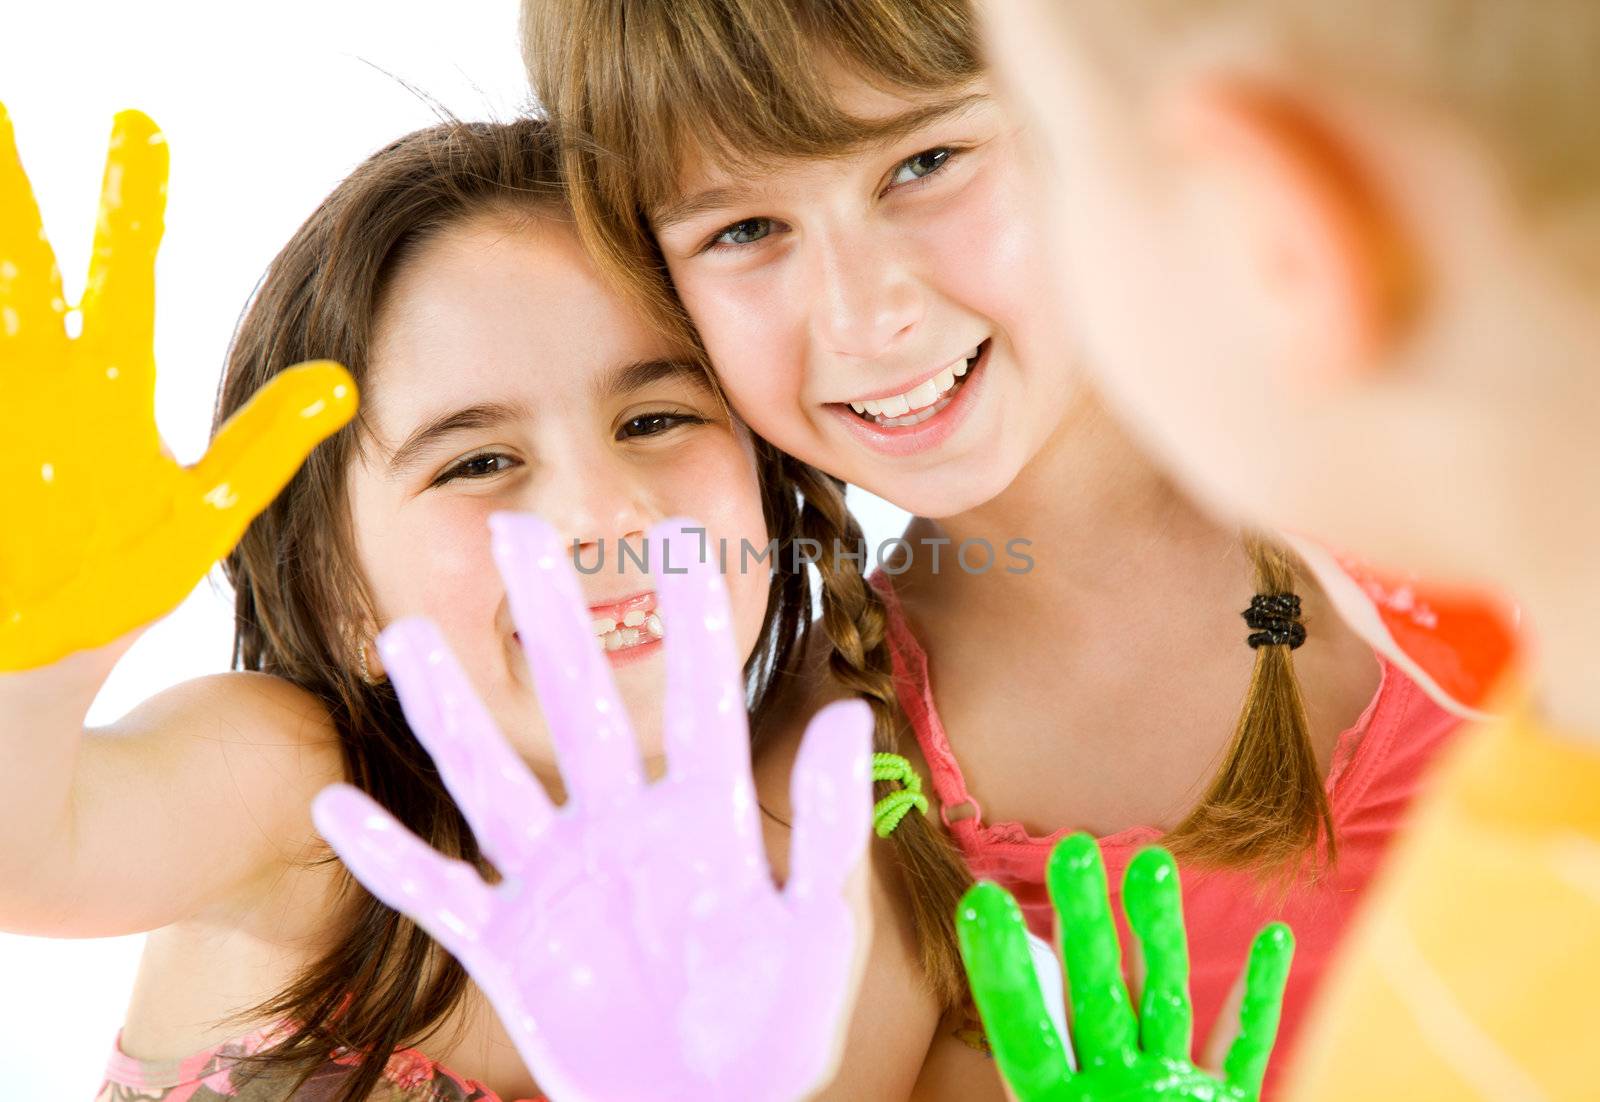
201	793
887	1038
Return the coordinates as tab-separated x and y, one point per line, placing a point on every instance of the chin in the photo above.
937	497
643	689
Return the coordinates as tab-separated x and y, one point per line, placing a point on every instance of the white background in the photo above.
266	107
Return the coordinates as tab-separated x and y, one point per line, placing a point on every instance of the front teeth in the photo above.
633	627
918	397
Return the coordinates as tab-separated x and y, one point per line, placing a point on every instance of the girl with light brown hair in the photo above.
828	198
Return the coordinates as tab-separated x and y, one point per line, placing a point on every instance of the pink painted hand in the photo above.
636	947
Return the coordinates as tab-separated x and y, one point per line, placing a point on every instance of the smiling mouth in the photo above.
921	402
633	629
623	626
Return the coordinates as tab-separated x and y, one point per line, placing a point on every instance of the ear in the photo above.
1316	232
361	640
375	669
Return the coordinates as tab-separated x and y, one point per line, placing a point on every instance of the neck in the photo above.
1099	516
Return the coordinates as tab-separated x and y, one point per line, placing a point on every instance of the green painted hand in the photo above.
1122	1054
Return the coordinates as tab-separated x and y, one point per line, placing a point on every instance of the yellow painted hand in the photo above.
101	531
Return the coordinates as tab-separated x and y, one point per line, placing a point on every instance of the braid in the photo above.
856	622
1266	809
786	628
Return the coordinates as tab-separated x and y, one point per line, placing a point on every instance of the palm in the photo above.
1122	1055
636	946
1151	1077
667	911
104	530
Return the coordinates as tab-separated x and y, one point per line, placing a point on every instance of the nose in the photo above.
597	503
867	301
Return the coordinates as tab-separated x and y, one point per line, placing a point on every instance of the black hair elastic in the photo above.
1274	621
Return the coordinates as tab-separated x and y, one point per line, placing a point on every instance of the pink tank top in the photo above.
1375	772
408	1076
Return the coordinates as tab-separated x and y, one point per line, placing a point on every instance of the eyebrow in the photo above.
637	374
482	416
872	134
616	383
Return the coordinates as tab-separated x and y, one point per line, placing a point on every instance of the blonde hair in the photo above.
1266	808
1523	75
632	89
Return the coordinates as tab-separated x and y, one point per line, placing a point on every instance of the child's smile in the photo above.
923	416
875	313
507	376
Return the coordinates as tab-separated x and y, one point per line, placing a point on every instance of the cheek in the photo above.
990	255
716	485
752	331
432	559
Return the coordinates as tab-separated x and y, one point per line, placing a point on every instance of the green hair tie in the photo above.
887	812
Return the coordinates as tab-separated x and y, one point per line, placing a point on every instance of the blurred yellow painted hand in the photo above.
101	531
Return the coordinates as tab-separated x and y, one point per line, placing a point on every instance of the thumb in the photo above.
256	453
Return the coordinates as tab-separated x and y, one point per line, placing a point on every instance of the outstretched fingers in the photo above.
255	454
119	299
1005	985
831	790
705	730
1266	974
504	804
1154	905
31	305
447	898
1104	1032
594	743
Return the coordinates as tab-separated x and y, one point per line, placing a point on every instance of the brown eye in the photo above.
477	466
654	424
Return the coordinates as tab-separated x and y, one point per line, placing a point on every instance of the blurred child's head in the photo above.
839	205
1341	261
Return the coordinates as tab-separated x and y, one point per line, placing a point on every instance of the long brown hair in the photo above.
301	600
634	88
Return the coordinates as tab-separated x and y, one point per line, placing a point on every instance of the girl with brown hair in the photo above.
830	199
497	371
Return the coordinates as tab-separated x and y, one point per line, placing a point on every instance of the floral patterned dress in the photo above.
408	1076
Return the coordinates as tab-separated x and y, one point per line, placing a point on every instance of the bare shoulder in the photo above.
896	1014
210	783
236	705
959	1067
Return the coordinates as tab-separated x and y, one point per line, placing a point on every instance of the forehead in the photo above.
501	309
871	114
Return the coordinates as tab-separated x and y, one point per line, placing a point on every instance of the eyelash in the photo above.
675	420
463	469
716	244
